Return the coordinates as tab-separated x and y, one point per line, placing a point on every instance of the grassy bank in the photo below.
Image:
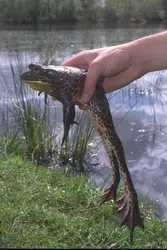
40	207
39	11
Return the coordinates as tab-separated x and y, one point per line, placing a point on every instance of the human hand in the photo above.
114	63
122	64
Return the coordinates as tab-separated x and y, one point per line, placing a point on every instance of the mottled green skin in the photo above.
66	85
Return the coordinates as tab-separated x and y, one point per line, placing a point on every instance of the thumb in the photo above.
93	74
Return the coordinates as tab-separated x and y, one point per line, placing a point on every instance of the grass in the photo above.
76	150
41	207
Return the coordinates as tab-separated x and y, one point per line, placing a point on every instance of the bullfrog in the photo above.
65	84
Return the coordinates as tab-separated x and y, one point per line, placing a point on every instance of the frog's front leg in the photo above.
46	96
68	119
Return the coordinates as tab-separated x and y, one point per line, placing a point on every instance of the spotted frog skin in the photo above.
65	84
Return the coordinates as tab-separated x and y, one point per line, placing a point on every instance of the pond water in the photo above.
139	110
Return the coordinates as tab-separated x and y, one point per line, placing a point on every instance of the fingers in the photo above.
83	59
87	60
80	105
77	61
93	74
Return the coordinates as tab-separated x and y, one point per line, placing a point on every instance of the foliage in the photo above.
41	207
134	11
37	11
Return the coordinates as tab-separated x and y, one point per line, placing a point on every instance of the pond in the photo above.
139	110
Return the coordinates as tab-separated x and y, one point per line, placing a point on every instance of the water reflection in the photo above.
139	110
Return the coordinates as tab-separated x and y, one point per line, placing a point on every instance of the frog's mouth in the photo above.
38	85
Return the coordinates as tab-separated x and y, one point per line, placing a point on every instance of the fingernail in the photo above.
82	107
84	99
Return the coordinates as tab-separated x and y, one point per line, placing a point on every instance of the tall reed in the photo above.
31	133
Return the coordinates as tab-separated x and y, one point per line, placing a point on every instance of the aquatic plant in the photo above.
34	132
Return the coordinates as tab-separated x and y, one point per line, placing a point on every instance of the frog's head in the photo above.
36	77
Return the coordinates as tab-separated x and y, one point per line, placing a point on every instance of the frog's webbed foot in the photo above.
109	194
129	209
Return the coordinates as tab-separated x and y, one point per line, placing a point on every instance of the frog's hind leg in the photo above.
128	205
111	192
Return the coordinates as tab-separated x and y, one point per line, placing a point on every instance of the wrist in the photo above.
150	53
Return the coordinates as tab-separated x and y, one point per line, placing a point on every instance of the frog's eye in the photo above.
48	73
34	68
